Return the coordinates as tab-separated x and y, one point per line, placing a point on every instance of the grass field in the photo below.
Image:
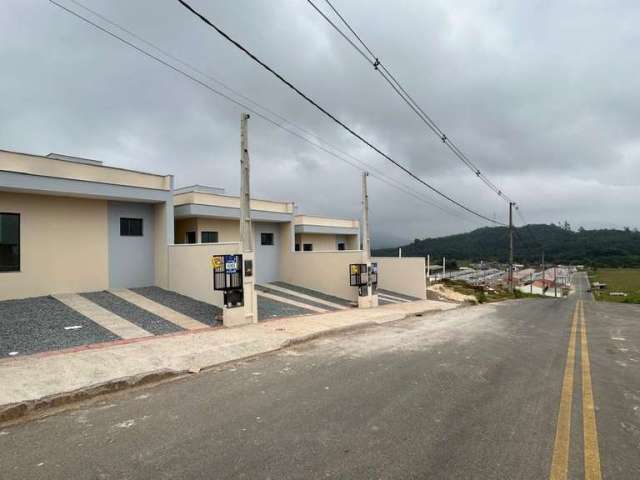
625	280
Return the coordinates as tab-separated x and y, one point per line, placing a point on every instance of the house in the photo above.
208	215
71	224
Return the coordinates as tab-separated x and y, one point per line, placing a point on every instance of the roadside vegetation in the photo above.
483	296
618	280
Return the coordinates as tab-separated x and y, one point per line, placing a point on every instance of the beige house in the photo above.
208	215
74	225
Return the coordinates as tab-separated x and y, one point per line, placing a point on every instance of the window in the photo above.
209	237
341	246
9	242
131	227
266	239
297	247
191	237
307	247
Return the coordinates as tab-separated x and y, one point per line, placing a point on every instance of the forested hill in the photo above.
600	248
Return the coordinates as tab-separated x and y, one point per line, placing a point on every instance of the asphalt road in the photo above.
474	393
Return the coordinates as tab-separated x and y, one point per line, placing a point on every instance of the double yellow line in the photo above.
560	461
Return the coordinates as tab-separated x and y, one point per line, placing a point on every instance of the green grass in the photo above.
618	280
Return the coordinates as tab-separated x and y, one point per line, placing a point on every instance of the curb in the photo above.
15	411
49	405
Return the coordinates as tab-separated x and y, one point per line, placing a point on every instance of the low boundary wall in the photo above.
190	271
403	275
326	272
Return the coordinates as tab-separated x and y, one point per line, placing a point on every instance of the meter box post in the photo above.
373	277
227	277
358	277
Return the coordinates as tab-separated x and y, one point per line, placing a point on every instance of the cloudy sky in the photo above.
542	96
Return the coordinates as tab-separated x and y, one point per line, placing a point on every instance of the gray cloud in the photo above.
541	96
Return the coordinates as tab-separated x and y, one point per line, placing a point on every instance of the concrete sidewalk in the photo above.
46	379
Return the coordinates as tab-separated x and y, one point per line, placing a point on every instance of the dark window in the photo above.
341	246
266	239
9	242
209	237
191	237
297	247
130	227
307	247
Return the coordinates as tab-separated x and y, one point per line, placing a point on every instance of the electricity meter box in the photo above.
227	278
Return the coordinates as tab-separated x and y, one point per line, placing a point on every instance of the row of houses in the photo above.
71	224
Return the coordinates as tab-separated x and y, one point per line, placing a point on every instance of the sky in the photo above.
541	96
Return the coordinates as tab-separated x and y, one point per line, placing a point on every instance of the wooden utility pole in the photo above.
246	232
510	274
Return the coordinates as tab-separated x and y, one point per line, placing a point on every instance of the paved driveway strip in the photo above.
160	310
143	318
107	319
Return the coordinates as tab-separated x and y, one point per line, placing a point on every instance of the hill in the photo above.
598	248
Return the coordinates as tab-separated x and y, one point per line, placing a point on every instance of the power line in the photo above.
379	174
375	62
329	114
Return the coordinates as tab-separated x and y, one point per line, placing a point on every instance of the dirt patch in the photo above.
447	294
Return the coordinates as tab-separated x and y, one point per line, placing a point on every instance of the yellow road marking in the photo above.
560	461
592	469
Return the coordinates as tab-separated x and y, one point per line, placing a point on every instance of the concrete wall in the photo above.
163	236
327	272
190	271
131	259
63	245
403	275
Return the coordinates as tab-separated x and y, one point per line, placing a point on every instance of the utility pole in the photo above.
400	252
444	267
246	232
555	281
428	266
510	275
365	219
370	300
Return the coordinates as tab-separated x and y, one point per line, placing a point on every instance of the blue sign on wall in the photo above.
231	263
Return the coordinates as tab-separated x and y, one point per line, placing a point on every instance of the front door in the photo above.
267	252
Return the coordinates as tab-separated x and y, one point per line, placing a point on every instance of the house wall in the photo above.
182	226
228	230
327	242
63	245
320	242
403	275
131	259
